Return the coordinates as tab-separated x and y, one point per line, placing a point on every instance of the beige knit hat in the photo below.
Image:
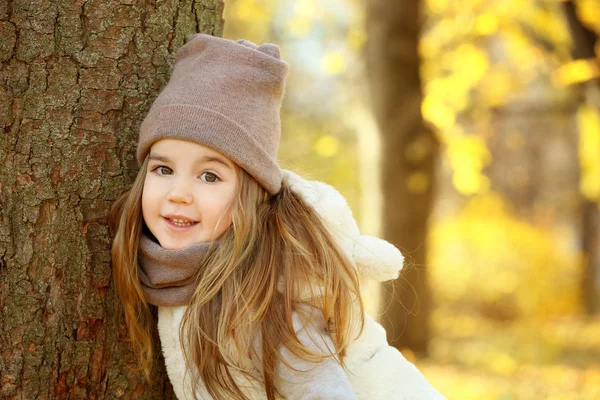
225	95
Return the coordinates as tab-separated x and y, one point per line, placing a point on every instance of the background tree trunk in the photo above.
76	79
408	154
534	156
585	42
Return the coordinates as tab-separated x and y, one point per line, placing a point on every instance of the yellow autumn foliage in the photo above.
588	121
333	63
468	156
491	262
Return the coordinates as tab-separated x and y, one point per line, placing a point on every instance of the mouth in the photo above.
180	222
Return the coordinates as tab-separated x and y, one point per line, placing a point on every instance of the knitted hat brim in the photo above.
183	121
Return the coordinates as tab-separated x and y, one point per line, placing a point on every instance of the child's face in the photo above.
188	193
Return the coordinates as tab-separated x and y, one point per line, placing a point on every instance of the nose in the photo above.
180	192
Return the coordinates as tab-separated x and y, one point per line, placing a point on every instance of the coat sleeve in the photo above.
306	380
378	371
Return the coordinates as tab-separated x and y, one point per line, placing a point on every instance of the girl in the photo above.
257	297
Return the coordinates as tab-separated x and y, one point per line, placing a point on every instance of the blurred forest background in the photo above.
466	132
511	92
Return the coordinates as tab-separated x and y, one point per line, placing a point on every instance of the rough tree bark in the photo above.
76	78
409	150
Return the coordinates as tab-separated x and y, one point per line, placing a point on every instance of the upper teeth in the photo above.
182	222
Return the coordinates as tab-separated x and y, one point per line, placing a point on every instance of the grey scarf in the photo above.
167	276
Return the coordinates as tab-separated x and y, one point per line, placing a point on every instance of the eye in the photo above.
162	170
209	177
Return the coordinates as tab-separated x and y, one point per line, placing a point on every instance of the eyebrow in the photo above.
203	159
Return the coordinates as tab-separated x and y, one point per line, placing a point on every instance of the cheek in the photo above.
148	201
221	225
216	210
219	213
226	219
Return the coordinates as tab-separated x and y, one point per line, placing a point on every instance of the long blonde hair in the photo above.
276	257
126	224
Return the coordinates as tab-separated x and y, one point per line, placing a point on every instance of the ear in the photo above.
377	259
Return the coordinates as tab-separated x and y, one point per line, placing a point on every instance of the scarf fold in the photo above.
167	276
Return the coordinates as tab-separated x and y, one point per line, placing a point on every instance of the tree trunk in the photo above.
584	46
534	156
409	151
76	79
590	281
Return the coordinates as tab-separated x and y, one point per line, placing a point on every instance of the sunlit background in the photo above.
517	114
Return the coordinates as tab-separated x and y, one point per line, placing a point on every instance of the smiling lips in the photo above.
181	222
